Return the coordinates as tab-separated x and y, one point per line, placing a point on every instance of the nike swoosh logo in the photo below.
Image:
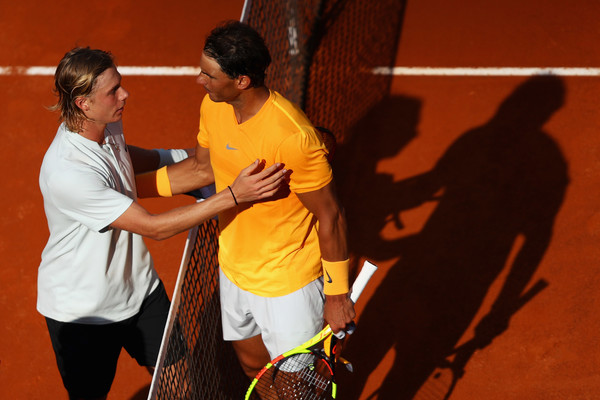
329	280
228	147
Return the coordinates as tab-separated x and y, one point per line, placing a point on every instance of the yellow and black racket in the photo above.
307	371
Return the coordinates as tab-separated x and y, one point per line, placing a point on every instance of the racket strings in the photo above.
298	377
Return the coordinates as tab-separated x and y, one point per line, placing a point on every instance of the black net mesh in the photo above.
198	364
324	53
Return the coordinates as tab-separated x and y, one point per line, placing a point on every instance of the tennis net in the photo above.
194	362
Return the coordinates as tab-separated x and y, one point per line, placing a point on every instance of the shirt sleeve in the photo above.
306	156
202	131
85	197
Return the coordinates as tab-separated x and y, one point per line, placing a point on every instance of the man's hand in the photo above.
338	312
256	182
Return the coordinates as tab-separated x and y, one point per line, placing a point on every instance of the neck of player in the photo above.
93	131
249	103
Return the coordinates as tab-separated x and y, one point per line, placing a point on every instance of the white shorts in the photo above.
284	322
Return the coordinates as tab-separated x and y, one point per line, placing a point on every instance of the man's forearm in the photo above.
189	175
143	160
333	238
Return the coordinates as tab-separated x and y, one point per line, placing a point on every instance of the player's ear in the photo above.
243	82
82	103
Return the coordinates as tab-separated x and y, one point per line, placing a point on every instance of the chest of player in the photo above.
237	146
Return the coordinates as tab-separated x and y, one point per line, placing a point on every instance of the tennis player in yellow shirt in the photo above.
284	263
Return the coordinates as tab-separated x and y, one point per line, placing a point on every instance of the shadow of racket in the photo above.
441	382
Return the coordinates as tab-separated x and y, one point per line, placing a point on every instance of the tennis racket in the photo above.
307	371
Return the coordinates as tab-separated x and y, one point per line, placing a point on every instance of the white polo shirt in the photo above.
90	273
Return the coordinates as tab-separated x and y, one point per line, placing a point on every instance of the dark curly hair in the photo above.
239	50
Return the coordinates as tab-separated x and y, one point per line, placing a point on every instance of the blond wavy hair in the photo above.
75	77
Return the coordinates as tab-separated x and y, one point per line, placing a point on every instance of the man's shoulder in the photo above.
288	113
67	158
284	103
57	149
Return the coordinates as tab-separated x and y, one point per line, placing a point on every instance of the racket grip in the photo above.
350	330
366	272
340	335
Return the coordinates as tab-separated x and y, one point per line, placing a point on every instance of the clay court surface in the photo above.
476	195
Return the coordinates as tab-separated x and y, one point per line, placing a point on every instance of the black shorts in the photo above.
87	354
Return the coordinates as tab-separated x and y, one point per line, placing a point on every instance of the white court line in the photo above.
395	71
485	71
124	70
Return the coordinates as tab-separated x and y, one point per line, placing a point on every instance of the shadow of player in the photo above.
498	189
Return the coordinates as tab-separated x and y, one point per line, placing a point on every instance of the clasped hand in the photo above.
255	182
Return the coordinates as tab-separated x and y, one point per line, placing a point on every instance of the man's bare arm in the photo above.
253	183
332	223
191	173
143	160
339	310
